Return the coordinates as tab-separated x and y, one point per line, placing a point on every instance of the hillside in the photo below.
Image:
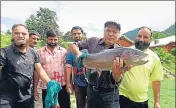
131	34
167	32
170	30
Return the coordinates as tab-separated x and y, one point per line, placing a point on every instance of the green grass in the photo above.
167	94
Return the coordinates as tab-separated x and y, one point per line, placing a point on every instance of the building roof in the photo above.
126	38
162	41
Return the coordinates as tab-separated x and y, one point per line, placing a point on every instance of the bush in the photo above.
173	51
5	40
167	59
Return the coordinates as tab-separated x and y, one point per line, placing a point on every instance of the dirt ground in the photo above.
38	104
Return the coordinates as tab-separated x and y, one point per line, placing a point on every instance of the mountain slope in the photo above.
167	32
170	30
131	34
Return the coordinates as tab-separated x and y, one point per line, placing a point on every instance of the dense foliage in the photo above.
45	19
167	59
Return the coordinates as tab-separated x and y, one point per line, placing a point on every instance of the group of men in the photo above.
22	66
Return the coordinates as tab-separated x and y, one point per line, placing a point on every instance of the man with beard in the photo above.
79	81
53	61
134	86
17	64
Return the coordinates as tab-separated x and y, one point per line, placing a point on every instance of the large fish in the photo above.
104	59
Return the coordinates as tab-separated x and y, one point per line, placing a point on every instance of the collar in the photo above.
16	50
101	41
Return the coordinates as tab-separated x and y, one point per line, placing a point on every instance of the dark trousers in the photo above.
102	97
127	103
63	98
80	93
24	104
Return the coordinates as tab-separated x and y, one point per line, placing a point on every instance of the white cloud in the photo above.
130	14
4	28
91	15
23	9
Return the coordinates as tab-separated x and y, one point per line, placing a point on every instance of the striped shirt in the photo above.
53	63
95	45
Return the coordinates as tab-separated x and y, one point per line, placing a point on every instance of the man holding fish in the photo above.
103	84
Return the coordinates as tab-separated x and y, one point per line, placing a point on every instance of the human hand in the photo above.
36	95
117	70
69	88
156	105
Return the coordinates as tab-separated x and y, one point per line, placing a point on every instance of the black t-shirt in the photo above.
16	74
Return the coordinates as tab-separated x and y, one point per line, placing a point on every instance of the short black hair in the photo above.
51	33
77	27
16	25
118	26
33	32
147	28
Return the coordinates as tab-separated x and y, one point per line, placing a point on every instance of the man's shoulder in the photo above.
41	48
94	39
7	47
62	48
153	54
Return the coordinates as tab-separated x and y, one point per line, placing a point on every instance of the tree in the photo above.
67	37
157	35
45	19
8	32
173	51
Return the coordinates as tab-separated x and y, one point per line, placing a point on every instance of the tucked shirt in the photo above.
53	63
16	74
105	80
135	82
78	77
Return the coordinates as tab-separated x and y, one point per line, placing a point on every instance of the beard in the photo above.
19	43
52	45
141	45
76	40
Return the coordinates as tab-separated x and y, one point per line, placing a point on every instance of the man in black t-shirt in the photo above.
17	64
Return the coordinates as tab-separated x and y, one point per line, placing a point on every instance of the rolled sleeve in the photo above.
158	73
37	57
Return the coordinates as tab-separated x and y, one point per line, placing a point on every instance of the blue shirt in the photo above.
78	77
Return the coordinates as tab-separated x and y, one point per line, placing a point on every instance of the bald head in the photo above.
143	38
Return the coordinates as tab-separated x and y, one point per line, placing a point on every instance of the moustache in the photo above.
52	44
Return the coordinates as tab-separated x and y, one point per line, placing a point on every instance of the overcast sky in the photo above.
91	15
